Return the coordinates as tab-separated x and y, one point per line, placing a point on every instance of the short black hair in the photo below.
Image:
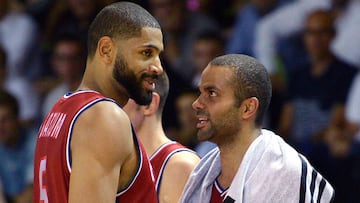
162	88
121	19
250	80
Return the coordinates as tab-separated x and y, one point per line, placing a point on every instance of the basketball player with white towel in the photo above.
251	164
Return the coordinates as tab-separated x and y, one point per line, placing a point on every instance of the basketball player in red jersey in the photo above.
171	161
86	150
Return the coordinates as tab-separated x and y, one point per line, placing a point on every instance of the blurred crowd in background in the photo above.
311	49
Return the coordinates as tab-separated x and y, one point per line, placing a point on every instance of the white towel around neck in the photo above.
271	171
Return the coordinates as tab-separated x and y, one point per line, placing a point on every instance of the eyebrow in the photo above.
152	46
209	87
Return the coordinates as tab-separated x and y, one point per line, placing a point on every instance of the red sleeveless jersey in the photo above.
52	164
161	157
217	193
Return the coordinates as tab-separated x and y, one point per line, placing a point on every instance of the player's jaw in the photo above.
142	89
204	126
138	87
145	86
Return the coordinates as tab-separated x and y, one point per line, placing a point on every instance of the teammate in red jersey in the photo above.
171	161
86	149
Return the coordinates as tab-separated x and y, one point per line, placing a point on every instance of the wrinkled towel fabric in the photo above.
271	171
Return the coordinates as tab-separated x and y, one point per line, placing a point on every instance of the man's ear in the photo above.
106	49
153	106
249	108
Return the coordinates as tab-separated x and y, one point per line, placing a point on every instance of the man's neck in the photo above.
232	154
152	136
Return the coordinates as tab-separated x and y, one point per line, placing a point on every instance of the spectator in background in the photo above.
290	20
19	38
180	27
39	10
17	147
206	46
285	26
336	153
71	16
24	92
65	16
223	12
242	40
172	162
337	156
316	93
68	61
242	37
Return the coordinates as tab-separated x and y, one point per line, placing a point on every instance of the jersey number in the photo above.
42	171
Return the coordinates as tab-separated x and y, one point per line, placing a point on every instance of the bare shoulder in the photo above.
104	128
101	141
180	166
184	161
176	174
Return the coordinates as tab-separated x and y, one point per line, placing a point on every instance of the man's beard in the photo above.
221	130
127	78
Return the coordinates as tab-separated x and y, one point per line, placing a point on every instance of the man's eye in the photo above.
146	53
212	93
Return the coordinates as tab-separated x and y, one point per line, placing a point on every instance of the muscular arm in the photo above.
176	175
101	143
